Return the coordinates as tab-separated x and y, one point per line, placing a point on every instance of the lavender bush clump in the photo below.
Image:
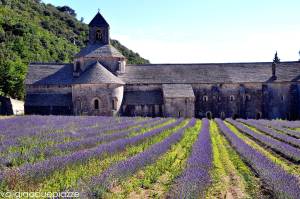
196	177
129	166
45	168
285	138
283	184
85	132
288	124
87	142
279	127
286	150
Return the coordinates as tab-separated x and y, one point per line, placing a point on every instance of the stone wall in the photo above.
85	95
145	108
281	100
249	100
179	107
228	100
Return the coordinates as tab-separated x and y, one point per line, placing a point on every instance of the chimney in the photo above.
274	71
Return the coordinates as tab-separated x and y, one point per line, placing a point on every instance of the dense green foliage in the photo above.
31	31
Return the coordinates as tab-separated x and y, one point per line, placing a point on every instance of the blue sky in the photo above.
199	31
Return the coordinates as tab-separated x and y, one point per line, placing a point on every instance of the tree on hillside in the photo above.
276	58
67	9
31	31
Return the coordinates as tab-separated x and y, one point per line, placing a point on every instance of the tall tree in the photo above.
276	58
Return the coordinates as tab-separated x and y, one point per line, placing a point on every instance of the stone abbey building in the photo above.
99	82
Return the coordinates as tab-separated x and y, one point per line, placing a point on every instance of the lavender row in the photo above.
50	131
131	165
80	144
283	184
279	127
93	141
196	177
47	167
286	150
288	124
83	132
285	138
39	125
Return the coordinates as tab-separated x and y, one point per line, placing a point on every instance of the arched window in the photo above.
96	104
209	115
114	103
98	34
231	98
179	114
205	98
223	115
235	116
282	98
258	115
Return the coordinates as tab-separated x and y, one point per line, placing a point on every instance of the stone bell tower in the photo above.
99	30
99	50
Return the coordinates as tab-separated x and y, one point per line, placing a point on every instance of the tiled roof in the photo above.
178	91
98	21
143	97
97	74
48	74
210	73
43	74
99	50
48	99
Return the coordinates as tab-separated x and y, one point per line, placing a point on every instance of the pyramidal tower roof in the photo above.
98	74
99	21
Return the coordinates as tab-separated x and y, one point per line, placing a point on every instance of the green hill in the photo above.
31	31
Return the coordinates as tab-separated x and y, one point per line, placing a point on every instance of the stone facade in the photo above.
99	82
109	99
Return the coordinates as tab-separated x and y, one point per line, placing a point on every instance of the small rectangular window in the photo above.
114	104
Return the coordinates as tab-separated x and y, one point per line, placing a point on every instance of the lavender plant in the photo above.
282	137
277	126
196	177
284	149
129	166
43	169
81	144
283	184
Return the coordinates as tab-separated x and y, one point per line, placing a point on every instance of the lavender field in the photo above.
109	157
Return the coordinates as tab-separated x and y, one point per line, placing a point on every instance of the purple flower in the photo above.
131	165
45	168
283	137
196	177
283	184
282	148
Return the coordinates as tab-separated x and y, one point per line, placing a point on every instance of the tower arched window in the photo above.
98	35
96	104
231	98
